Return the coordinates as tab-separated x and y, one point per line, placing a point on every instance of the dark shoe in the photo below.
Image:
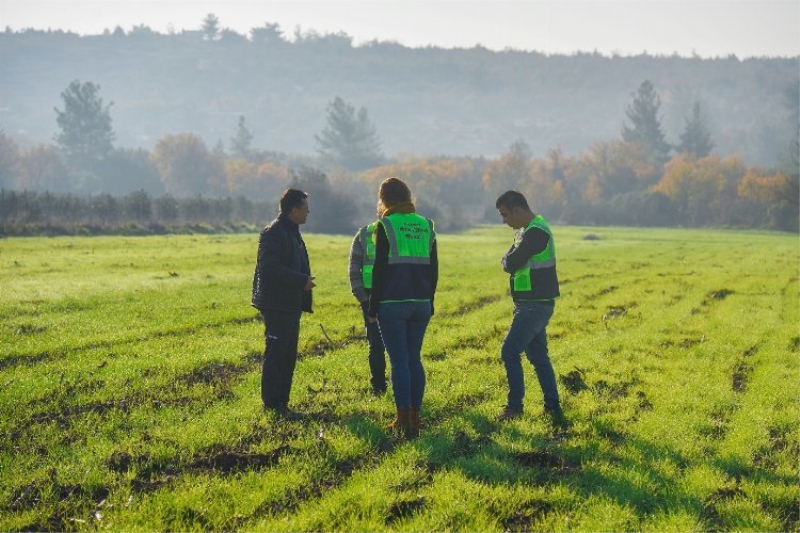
282	411
288	414
556	417
509	413
378	391
273	407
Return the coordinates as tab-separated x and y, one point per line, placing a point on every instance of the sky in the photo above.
706	28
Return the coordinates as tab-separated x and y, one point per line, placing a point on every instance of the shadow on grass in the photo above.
607	464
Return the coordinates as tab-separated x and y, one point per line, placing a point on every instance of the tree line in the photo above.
640	178
428	101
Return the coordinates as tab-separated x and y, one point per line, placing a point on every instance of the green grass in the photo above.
130	372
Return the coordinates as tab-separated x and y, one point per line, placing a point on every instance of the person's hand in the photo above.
310	284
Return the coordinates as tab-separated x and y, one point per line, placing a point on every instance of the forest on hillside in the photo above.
427	101
213	116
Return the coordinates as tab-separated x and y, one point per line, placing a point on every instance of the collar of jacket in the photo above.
402	208
284	219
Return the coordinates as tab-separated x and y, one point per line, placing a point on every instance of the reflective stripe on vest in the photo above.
544	259
368	260
410	238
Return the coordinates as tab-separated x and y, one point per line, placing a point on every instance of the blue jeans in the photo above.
528	334
402	326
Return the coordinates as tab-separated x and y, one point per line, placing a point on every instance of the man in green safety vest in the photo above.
531	264
362	259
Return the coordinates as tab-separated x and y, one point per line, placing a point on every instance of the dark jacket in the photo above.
282	269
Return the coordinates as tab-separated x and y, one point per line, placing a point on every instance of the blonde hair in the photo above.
392	193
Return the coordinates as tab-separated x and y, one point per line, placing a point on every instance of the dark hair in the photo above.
292	198
393	191
512	199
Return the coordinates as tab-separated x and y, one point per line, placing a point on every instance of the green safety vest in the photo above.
537	279
410	238
368	261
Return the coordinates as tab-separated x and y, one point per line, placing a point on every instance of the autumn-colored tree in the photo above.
698	187
239	173
511	170
442	185
615	167
547	189
185	165
44	167
766	192
254	180
556	198
761	187
433	177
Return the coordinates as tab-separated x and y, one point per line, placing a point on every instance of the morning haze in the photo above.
255	108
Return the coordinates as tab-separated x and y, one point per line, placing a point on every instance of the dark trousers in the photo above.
281	331
377	357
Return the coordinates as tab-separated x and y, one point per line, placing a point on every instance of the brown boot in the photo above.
400	424
414	423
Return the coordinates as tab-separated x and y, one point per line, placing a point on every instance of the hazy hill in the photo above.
424	101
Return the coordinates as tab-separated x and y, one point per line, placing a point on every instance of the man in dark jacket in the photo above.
281	292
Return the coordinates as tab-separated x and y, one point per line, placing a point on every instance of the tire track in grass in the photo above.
742	370
294	500
211	382
77	505
153	474
467	307
223	459
710	513
32	359
226	460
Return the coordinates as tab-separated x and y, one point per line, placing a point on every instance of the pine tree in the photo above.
86	134
349	140
211	27
645	128
696	139
240	144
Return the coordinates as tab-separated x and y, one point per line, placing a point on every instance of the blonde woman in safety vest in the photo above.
404	280
362	260
531	265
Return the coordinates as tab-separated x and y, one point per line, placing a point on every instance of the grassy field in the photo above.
130	371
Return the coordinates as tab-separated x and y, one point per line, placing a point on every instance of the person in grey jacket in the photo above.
282	291
362	259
